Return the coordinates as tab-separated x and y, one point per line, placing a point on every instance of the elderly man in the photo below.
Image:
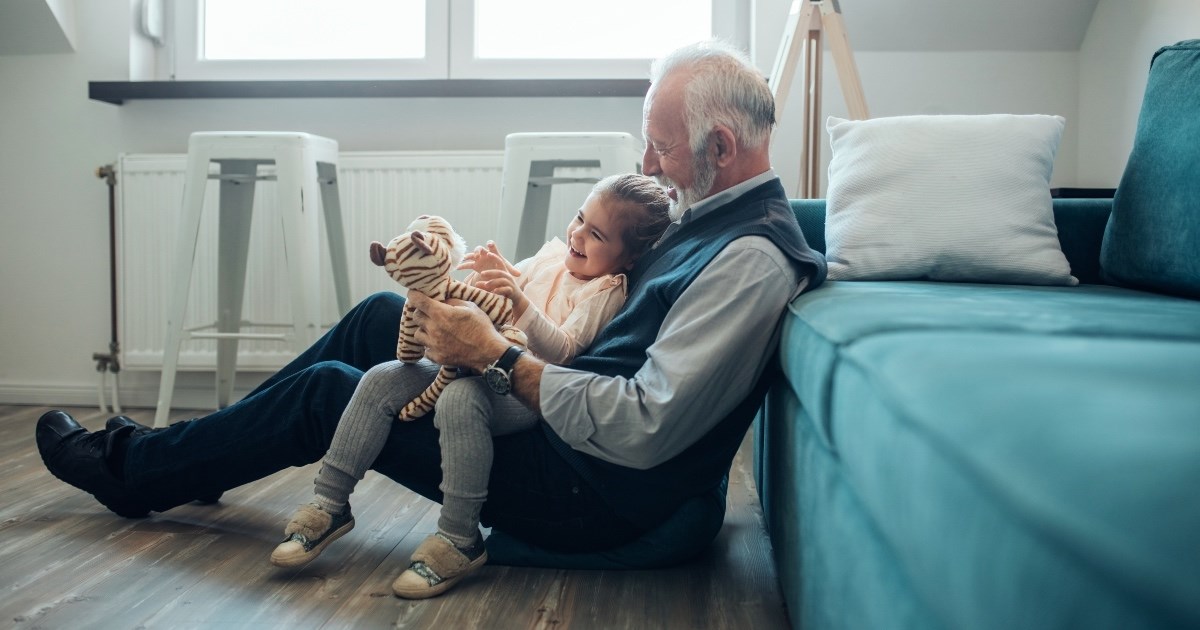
650	416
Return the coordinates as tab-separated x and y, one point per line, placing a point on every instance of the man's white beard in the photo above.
705	173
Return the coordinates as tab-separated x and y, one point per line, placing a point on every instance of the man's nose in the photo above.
650	163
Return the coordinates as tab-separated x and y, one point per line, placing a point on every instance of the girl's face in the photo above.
594	245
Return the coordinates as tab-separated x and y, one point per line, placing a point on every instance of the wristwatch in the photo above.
498	375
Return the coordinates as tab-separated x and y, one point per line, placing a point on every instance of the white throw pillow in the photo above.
956	198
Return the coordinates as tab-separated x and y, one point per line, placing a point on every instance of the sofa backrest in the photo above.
1080	223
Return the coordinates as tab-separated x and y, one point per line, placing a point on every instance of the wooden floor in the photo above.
66	562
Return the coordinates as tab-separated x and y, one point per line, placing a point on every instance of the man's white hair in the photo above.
726	89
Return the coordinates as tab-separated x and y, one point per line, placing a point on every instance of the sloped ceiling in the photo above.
964	25
34	27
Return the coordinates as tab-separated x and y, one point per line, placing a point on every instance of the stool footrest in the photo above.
550	181
244	178
227	335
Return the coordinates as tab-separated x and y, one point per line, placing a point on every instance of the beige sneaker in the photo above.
308	534
436	566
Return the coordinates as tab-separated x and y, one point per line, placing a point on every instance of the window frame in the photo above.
449	47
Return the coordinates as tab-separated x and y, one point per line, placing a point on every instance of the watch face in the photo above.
497	379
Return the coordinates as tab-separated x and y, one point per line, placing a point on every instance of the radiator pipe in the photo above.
110	361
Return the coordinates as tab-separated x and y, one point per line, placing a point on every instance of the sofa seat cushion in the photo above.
1049	437
820	324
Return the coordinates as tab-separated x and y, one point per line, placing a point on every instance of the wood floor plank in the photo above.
67	562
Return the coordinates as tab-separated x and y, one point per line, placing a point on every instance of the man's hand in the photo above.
456	333
460	334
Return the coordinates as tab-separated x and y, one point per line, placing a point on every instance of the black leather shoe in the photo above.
77	457
116	422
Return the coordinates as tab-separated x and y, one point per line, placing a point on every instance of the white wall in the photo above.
904	83
53	210
1114	62
912	82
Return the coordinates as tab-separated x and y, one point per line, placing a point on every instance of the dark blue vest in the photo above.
646	497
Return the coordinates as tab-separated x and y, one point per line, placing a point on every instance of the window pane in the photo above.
313	29
569	29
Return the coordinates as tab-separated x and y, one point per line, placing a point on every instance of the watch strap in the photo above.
509	358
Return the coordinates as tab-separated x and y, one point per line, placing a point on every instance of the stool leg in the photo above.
535	212
298	193
331	206
513	186
233	249
195	185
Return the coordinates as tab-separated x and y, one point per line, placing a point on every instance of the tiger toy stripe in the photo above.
421	259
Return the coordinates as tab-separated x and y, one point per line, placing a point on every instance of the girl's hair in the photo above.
644	209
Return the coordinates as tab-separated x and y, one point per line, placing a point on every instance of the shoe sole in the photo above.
440	587
288	562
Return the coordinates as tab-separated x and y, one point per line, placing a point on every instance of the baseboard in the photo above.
135	396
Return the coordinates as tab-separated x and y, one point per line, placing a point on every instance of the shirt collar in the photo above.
708	204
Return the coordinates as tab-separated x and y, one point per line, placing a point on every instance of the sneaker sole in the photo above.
298	560
440	587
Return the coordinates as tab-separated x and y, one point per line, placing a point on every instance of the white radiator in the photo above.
381	192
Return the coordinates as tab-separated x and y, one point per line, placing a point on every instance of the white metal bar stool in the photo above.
529	163
305	171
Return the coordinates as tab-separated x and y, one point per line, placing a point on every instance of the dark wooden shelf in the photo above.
117	92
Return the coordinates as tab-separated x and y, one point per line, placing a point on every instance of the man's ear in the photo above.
724	145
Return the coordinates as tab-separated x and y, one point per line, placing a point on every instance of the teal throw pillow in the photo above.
1152	241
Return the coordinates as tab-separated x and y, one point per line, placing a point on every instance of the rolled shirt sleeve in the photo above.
711	349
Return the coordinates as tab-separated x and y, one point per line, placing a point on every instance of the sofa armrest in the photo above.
1080	223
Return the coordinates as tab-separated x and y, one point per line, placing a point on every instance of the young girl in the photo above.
562	297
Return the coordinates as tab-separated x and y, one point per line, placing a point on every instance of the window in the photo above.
302	30
310	39
424	39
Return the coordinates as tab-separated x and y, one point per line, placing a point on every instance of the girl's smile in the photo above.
595	243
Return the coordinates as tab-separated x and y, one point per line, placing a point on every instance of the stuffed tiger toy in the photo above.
421	259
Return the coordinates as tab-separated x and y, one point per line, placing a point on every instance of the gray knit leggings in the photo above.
467	415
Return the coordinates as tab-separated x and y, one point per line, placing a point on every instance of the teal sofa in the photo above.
948	455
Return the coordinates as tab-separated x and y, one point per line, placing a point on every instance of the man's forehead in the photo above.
662	108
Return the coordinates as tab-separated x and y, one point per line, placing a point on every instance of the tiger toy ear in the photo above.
378	254
418	239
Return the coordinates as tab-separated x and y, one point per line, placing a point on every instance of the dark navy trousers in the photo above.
290	419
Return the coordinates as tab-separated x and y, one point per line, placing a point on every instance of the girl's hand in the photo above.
487	258
501	282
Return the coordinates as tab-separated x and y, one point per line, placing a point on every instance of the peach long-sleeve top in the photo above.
564	313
